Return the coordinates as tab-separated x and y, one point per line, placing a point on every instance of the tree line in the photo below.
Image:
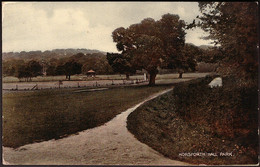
151	44
77	64
112	63
48	54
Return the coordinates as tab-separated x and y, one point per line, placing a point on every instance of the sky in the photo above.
30	26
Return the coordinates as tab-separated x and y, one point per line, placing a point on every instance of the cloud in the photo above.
33	29
194	36
50	25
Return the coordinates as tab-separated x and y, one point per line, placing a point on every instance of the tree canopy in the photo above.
29	70
233	25
71	68
151	44
121	64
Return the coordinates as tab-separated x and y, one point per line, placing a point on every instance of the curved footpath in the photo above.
109	144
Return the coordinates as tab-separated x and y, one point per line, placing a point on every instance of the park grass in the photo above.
42	115
187	75
11	79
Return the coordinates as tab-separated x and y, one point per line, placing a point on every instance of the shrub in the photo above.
206	67
196	118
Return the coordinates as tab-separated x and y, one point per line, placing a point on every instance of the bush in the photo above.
206	67
229	110
196	118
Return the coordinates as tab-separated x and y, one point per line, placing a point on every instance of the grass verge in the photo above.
52	114
11	79
200	125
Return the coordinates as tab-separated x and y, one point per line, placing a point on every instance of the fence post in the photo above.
60	83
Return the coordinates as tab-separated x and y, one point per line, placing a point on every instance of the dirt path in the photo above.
109	144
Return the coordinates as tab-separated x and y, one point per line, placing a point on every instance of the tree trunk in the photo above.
152	79
69	77
180	75
127	76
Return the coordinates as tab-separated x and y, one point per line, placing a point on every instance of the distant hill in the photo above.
191	44
205	47
48	54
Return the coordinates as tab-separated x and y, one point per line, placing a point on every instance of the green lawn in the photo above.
10	79
51	114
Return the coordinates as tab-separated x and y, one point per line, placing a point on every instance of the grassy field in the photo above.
193	118
10	79
35	116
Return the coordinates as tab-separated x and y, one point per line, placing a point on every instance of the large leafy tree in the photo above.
99	64
172	34
29	70
138	45
148	56
119	63
34	68
23	72
10	67
59	70
71	68
188	60
210	55
51	70
233	25
152	44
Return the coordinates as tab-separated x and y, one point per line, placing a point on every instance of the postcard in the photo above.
130	83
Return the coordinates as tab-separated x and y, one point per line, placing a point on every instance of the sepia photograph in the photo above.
162	83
